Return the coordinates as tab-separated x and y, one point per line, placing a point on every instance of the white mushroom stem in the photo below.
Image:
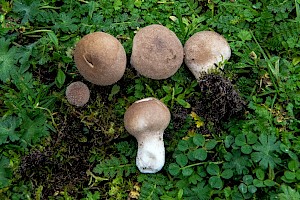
151	153
146	120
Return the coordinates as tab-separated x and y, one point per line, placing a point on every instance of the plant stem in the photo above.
297	11
173	97
83	1
49	7
271	68
201	163
52	118
37	31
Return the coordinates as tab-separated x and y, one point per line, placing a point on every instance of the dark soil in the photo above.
179	115
44	75
63	164
219	99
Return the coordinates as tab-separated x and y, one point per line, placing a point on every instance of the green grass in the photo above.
52	150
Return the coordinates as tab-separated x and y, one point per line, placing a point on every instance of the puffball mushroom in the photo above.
77	93
204	50
146	120
100	58
157	53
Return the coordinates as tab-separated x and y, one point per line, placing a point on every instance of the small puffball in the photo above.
77	93
157	53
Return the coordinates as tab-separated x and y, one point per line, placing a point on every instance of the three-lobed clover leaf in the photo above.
210	144
260	181
293	172
182	160
247	185
236	161
174	169
200	154
187	171
245	141
199	140
183	145
215	180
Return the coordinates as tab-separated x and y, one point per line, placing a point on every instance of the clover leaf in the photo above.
237	162
245	142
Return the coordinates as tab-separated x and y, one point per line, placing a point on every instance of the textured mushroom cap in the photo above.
77	93
100	58
146	116
205	49
157	53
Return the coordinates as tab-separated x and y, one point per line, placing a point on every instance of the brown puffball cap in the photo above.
77	93
205	49
157	53
100	58
146	116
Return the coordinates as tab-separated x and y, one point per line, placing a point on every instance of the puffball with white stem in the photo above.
146	120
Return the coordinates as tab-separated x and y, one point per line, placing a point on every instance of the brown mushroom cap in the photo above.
205	49
146	116
157	53
100	58
77	93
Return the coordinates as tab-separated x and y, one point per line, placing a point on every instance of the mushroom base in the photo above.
151	154
198	70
